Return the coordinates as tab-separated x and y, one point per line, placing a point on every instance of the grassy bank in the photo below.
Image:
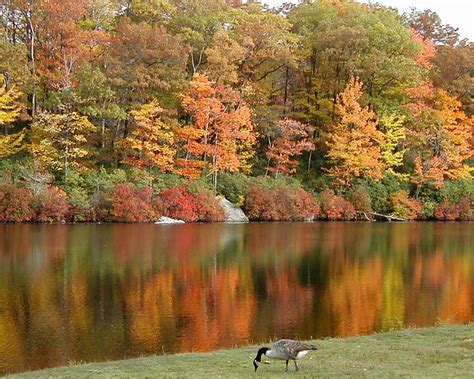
446	351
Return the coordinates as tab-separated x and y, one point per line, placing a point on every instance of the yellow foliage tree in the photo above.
355	143
394	132
11	144
59	141
151	144
9	108
9	113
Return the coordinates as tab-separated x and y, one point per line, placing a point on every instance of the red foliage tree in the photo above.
131	205
15	204
291	141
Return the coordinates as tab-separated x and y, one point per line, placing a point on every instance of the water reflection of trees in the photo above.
93	292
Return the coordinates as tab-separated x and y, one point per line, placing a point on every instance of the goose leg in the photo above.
286	366
296	365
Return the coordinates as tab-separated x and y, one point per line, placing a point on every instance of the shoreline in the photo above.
439	351
241	223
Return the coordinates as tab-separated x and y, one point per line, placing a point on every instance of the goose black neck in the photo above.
260	352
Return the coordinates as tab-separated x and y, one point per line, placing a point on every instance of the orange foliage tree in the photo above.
354	144
291	141
440	134
63	45
221	134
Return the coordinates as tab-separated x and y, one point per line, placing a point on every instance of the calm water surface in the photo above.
71	293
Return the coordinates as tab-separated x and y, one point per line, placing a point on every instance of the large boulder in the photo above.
233	213
168	220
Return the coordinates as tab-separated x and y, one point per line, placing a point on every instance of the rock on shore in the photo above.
232	211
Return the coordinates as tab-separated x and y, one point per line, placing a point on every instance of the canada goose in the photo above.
284	350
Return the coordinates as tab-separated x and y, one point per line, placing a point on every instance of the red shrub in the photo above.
260	204
335	207
52	205
80	214
179	203
283	203
404	206
451	212
305	205
130	205
209	209
296	204
15	204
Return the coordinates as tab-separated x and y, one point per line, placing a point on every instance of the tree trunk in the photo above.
31	36
309	160
102	141
285	99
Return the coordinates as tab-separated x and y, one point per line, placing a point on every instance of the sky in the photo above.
457	13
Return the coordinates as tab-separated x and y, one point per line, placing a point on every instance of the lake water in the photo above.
80	293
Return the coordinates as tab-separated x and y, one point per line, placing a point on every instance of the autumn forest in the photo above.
126	110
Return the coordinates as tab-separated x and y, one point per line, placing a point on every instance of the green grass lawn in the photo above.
446	351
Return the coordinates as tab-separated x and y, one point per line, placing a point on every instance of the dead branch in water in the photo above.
380	216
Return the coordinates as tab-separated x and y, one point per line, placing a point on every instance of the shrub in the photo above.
360	199
428	208
131	205
209	209
450	212
335	207
80	208
100	181
446	211
179	203
261	204
465	205
282	203
455	190
15	204
101	207
52	205
141	178
405	207
380	191
234	186
296	204
165	180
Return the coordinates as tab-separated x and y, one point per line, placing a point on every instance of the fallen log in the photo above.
365	215
386	217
